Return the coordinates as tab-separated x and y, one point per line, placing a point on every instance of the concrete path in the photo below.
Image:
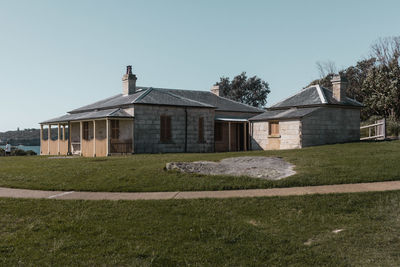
292	191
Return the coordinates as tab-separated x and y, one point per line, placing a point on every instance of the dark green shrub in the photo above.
30	153
392	127
18	152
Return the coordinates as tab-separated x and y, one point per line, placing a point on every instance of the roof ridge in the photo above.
298	92
321	94
348	98
144	94
237	102
185	98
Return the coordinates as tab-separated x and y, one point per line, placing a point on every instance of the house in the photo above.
150	120
313	116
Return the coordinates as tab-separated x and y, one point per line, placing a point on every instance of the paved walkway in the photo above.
292	191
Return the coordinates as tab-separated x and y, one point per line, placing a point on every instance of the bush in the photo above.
2	152
392	126
30	153
18	152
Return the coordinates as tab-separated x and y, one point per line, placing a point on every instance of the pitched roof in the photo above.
314	95
284	114
106	113
171	97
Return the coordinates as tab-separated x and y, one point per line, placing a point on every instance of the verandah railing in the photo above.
121	147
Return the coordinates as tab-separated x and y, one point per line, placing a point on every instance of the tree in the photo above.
386	49
374	81
381	89
326	68
252	91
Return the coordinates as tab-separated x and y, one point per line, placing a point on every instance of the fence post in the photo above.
384	128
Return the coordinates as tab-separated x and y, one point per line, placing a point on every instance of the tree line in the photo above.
374	80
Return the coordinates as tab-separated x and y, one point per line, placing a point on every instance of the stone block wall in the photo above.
290	131
147	129
289	135
330	125
259	135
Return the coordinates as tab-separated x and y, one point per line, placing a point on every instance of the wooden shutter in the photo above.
218	131
168	128
274	128
165	128
201	130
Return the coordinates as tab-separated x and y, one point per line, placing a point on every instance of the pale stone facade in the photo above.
325	126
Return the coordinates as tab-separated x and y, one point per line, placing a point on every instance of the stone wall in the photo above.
289	131
259	135
289	138
331	125
147	129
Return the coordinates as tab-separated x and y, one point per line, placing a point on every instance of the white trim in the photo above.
231	119
321	94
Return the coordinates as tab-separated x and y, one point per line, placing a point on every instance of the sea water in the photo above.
26	148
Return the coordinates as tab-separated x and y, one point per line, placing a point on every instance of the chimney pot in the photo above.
339	87
129	69
129	81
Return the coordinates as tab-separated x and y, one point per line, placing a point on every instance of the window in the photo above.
201	130
115	129
86	130
218	131
274	128
165	128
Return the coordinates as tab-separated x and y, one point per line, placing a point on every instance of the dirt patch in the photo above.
258	167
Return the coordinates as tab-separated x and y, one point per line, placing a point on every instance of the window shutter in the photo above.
201	129
168	128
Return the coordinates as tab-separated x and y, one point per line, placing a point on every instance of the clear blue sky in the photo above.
59	55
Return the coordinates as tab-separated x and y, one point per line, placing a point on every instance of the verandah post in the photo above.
94	138
58	139
48	139
107	137
80	137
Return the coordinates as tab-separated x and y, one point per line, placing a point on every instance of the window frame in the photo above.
273	131
165	129
115	129
200	130
85	130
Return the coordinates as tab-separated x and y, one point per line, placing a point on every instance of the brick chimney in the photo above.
339	86
215	90
129	82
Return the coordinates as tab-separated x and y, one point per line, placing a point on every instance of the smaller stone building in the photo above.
313	116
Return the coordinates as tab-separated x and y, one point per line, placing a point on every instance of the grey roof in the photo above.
284	114
314	95
106	113
171	97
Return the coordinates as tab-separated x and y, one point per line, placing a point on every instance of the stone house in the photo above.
313	116
150	120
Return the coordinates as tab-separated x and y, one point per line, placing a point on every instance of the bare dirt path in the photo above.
292	191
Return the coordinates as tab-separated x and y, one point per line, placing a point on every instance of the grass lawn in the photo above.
332	164
286	231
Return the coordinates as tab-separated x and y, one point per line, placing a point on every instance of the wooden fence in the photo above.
376	131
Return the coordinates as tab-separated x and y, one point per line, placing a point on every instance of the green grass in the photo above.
295	231
332	164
